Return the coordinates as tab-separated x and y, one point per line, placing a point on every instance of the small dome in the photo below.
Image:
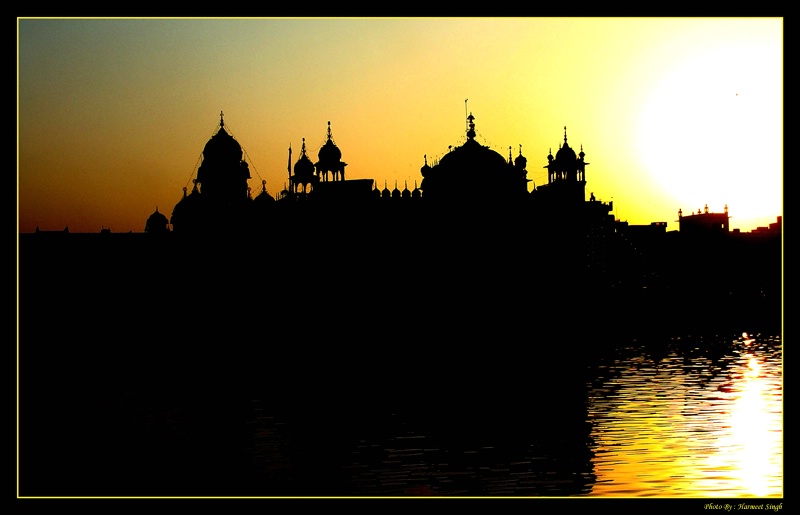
565	153
157	222
426	167
520	161
264	197
187	207
329	153
304	167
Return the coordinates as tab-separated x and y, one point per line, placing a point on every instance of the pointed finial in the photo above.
565	134
221	122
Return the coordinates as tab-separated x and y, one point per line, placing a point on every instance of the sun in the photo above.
711	132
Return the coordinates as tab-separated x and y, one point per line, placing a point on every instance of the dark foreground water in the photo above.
685	417
147	373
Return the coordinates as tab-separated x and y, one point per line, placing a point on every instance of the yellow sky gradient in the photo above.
673	113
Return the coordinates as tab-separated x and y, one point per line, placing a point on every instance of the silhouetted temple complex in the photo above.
469	241
470	180
465	298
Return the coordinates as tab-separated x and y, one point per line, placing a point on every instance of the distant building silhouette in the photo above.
705	223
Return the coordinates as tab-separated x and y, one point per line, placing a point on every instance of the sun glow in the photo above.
711	132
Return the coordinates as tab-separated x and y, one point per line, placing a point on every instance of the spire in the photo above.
289	164
330	137
471	130
565	135
221	122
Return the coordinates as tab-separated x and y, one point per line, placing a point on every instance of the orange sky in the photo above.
673	113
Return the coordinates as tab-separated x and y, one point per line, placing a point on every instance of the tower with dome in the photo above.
220	200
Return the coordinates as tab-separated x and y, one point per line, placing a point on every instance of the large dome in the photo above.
471	168
473	156
471	160
222	147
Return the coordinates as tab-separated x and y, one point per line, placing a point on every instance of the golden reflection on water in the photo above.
689	425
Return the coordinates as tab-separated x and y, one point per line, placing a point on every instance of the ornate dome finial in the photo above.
471	130
221	122
565	134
